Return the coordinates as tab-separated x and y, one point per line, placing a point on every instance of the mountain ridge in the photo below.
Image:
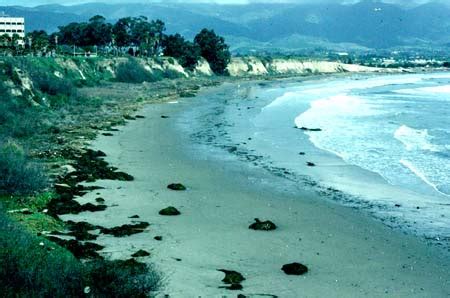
367	24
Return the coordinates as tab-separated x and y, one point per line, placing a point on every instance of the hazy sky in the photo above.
39	2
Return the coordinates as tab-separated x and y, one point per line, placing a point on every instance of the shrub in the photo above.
31	270
52	85
123	278
16	118
133	72
18	174
33	267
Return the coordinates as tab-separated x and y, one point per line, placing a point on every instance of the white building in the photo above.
11	26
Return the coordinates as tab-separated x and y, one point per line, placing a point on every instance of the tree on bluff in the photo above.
184	51
214	49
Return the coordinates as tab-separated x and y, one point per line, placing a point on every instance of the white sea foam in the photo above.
414	169
323	112
435	90
311	92
415	139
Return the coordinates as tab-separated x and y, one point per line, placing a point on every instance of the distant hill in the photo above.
284	27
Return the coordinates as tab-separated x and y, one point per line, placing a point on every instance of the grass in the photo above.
31	266
19	174
132	71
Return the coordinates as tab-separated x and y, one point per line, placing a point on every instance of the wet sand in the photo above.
348	253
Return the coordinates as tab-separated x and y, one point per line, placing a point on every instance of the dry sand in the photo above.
348	253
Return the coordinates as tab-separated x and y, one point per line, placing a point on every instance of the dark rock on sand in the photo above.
169	211
310	164
187	94
294	269
90	167
126	230
59	207
93	208
158	238
232	277
87	250
310	129
164	117
107	134
234	287
129	117
176	186
80	230
302	153
134	216
140	253
140	116
100	200
262	225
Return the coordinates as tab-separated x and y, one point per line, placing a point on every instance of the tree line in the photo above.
135	36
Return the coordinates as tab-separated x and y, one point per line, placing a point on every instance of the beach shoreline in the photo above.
347	252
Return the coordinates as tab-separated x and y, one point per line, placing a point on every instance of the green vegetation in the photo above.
214	49
19	174
133	36
186	52
133	72
35	267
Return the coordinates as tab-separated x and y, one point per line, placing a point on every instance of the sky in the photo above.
69	2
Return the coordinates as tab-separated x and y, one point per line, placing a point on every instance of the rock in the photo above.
100	200
67	169
158	238
262	225
87	250
232	277
93	208
169	211
310	129
134	216
294	269
107	134
302	153
176	186
140	116
129	117
140	253
80	230
234	287
126	230
187	94
310	164
165	117
62	187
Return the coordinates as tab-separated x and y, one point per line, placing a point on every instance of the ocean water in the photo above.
398	128
383	144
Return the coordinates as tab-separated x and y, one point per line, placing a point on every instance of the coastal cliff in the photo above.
253	66
22	75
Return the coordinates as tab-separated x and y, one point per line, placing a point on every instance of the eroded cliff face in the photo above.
21	75
252	66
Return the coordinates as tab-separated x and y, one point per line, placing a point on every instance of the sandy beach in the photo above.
348	253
